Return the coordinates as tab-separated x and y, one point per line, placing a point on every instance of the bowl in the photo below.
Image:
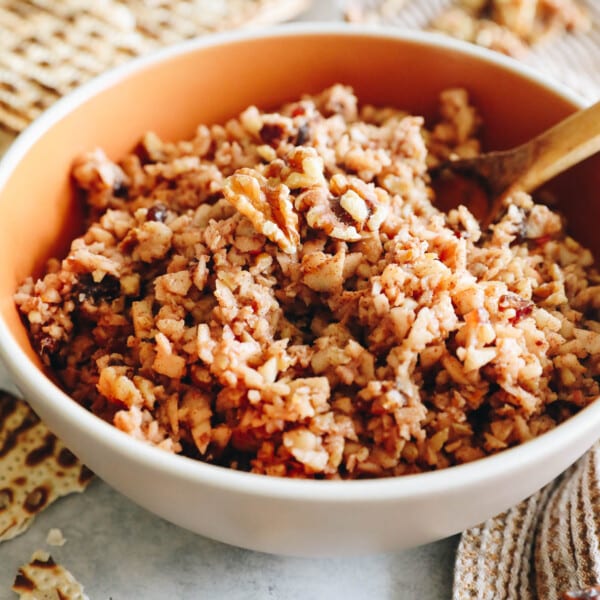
208	80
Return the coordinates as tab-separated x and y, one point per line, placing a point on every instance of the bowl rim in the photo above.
28	377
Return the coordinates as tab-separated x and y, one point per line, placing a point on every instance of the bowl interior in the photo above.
209	83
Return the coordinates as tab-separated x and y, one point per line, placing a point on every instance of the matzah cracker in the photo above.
35	467
48	48
43	579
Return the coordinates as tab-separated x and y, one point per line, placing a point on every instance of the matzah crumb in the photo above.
55	538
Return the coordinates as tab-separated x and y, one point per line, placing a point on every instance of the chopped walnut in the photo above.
323	272
268	207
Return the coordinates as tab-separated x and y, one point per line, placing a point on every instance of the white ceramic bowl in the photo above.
210	79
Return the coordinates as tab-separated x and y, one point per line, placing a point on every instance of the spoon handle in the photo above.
552	152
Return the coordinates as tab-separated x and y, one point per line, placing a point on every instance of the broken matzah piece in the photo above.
35	467
43	579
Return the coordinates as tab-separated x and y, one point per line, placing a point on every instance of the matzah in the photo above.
48	48
35	467
43	579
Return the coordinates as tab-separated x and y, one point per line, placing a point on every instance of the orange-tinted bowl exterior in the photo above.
197	83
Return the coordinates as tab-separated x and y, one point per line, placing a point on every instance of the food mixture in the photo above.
279	294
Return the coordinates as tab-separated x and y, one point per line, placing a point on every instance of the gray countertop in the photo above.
119	551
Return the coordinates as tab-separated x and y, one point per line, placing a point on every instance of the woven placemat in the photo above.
49	47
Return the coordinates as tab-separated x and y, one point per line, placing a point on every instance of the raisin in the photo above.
49	349
107	289
271	133
303	134
142	153
559	410
479	418
212	198
47	345
158	212
120	190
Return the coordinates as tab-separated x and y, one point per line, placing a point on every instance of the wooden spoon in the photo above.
484	182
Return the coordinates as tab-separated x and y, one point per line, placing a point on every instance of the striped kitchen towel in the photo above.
547	547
